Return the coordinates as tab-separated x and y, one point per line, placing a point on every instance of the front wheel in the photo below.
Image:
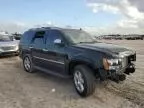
84	80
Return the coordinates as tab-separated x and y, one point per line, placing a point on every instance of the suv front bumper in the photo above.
9	53
119	75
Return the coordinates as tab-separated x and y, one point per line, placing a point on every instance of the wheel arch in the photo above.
24	54
76	62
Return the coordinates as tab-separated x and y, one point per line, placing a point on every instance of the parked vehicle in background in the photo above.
8	45
17	36
72	53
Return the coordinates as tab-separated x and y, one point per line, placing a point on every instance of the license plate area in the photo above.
8	48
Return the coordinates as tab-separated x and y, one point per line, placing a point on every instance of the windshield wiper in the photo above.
89	42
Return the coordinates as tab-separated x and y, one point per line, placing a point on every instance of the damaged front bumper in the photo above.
118	73
5	53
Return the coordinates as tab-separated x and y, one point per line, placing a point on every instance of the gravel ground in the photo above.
19	89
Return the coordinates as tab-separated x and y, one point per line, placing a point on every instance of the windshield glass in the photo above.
78	36
5	38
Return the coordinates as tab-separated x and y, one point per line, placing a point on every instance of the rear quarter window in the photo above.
27	37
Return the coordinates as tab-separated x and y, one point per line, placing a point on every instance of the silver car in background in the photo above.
8	45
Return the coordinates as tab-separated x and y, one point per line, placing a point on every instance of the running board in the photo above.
52	73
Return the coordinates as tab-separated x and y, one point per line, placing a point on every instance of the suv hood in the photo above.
104	47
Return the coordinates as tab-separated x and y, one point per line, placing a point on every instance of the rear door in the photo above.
37	46
25	42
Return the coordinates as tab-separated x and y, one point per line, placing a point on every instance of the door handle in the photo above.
30	47
45	50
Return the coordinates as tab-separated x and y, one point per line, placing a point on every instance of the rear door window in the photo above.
27	37
38	40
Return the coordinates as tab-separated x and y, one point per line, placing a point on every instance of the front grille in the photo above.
132	57
8	48
124	62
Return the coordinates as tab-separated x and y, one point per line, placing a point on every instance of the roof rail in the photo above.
53	27
34	28
42	28
46	27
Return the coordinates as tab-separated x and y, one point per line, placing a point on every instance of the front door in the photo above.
54	54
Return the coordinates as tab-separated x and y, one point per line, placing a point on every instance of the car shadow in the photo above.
61	85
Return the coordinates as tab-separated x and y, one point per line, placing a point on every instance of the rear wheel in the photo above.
84	80
28	65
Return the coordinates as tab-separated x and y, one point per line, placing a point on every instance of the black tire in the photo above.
89	80
31	68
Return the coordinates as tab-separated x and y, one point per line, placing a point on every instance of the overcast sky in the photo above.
96	16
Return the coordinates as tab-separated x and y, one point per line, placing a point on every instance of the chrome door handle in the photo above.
30	47
45	50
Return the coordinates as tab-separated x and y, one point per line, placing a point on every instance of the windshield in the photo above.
5	38
78	36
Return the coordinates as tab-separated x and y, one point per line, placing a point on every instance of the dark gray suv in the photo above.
71	53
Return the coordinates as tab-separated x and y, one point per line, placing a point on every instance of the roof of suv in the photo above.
52	28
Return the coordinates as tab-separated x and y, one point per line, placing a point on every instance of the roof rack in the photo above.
45	28
51	27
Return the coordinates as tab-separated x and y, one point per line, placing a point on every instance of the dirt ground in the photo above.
19	89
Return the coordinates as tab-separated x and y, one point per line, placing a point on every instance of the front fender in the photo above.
83	60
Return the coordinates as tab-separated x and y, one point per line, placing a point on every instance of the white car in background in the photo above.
8	45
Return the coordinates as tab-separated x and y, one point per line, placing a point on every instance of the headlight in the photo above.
111	64
16	47
0	49
114	67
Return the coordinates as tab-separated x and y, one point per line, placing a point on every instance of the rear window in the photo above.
27	37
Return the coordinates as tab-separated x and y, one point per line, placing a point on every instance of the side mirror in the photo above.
58	42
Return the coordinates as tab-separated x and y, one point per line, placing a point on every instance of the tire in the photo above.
87	80
27	64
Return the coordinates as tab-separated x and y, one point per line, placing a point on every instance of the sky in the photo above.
95	16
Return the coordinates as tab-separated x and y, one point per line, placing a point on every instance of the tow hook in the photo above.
130	69
122	77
